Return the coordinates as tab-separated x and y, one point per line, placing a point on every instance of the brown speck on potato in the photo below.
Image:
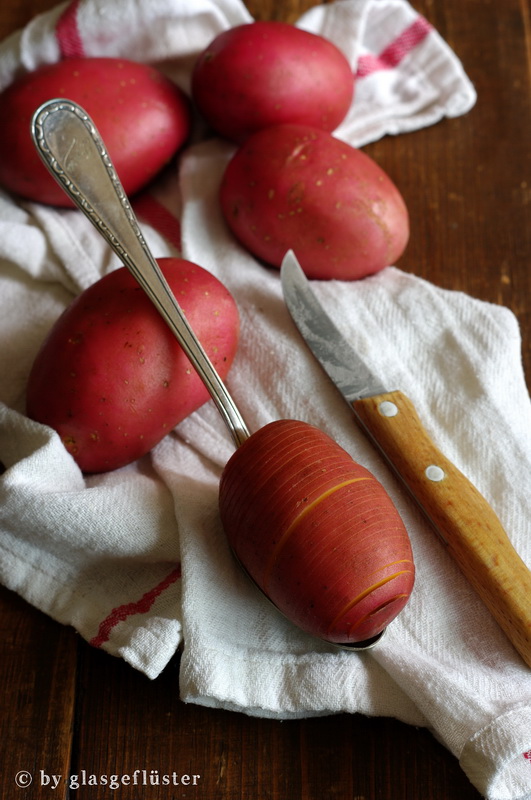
70	444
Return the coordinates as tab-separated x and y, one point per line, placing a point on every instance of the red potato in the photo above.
112	379
316	532
142	117
294	187
265	73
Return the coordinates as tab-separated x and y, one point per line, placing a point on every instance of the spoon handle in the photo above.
72	149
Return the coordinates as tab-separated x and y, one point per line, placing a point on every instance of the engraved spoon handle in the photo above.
72	149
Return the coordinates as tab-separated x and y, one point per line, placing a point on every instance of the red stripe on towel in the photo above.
157	215
393	54
142	606
67	33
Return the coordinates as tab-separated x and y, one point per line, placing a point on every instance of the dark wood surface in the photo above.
66	707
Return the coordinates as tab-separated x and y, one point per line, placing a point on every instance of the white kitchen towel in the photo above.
136	559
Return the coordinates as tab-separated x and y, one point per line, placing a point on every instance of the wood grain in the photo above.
38	668
66	707
470	529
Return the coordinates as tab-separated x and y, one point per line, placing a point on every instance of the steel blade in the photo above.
343	365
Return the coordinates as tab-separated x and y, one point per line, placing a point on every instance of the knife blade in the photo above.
466	523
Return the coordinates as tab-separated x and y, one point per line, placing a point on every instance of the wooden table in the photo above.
66	707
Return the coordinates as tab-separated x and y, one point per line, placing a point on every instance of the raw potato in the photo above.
294	187
142	117
265	73
316	532
112	379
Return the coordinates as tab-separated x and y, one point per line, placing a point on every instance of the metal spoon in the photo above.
75	154
73	151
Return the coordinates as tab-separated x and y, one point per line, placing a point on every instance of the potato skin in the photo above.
265	73
142	117
316	532
112	379
295	187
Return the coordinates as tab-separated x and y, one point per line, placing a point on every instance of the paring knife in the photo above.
466	523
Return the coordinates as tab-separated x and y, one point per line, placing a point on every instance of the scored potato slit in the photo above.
317	532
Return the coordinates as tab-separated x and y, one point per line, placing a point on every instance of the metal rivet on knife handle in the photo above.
434	473
387	409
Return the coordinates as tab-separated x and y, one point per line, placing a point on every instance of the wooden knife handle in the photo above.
468	525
